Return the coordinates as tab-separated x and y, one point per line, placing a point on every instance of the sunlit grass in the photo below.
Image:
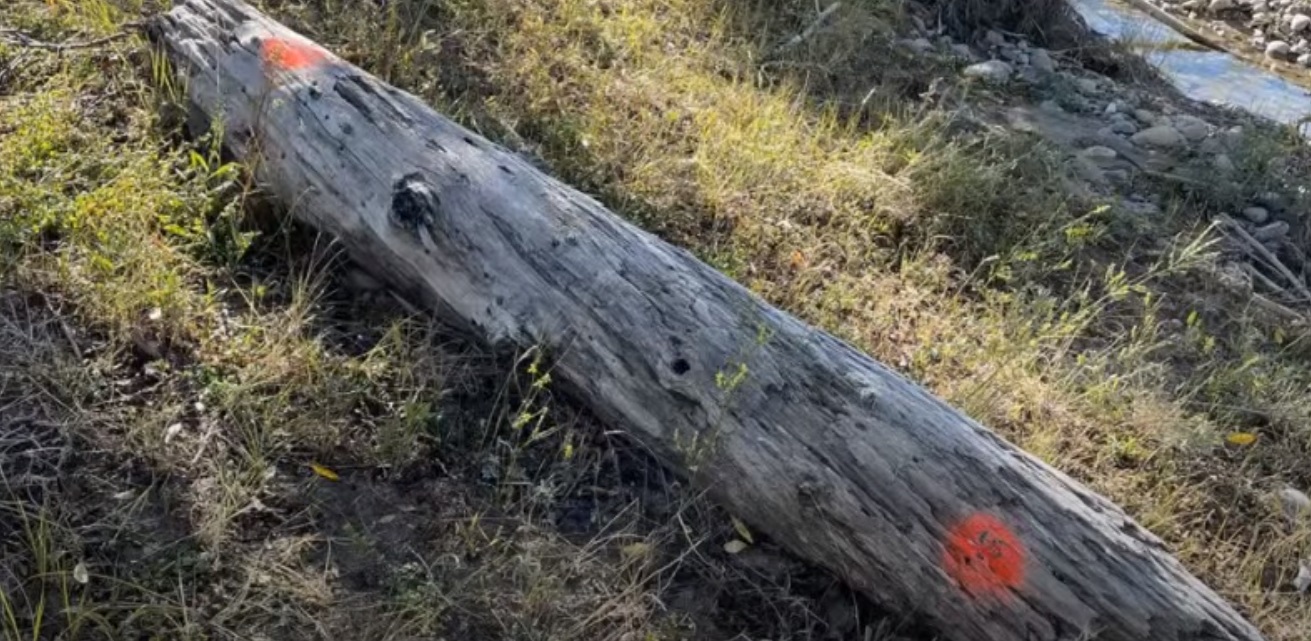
951	251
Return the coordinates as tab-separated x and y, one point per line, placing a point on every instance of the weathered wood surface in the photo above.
830	453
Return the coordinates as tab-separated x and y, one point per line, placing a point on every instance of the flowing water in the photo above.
1204	75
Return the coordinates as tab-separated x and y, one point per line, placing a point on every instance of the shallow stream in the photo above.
1205	75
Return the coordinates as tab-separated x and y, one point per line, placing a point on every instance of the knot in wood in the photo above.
415	207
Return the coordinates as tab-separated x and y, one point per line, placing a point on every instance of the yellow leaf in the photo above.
797	260
742	530
1241	438
325	472
735	546
635	551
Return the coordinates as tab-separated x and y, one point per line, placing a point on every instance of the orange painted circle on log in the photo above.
282	54
984	556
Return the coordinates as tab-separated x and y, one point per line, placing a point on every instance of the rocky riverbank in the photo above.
1135	142
1276	29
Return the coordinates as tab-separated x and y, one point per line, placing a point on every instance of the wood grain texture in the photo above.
827	451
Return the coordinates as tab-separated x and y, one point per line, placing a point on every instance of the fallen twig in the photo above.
18	38
808	31
1269	256
1279	309
9	69
1264	280
1181	27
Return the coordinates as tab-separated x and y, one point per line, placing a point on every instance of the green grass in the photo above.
156	312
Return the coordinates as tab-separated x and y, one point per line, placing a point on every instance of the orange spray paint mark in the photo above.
281	54
984	556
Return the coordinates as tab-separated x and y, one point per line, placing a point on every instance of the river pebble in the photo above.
1042	61
1272	231
1163	136
1192	127
993	71
1257	215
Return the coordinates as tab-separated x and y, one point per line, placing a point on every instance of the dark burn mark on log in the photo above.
505	169
360	85
680	366
351	94
415	207
471	142
347	129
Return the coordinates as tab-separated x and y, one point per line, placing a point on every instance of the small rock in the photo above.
1191	5
1015	55
1192	127
1234	137
918	45
1301	46
1257	215
1042	61
1159	161
1088	170
1087	86
1144	116
1117	176
1112	108
994	38
994	71
1304	60
1051	106
1030	75
1299	22
963	50
1211	145
1124	127
1159	136
1277	49
1222	163
1303	579
1261	18
1099	155
1294	503
1273	231
1271	200
1221	5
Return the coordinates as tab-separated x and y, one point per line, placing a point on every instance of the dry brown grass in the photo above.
215	359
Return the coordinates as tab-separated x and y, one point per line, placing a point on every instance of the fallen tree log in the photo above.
805	438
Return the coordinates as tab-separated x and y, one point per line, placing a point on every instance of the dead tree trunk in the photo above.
807	439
